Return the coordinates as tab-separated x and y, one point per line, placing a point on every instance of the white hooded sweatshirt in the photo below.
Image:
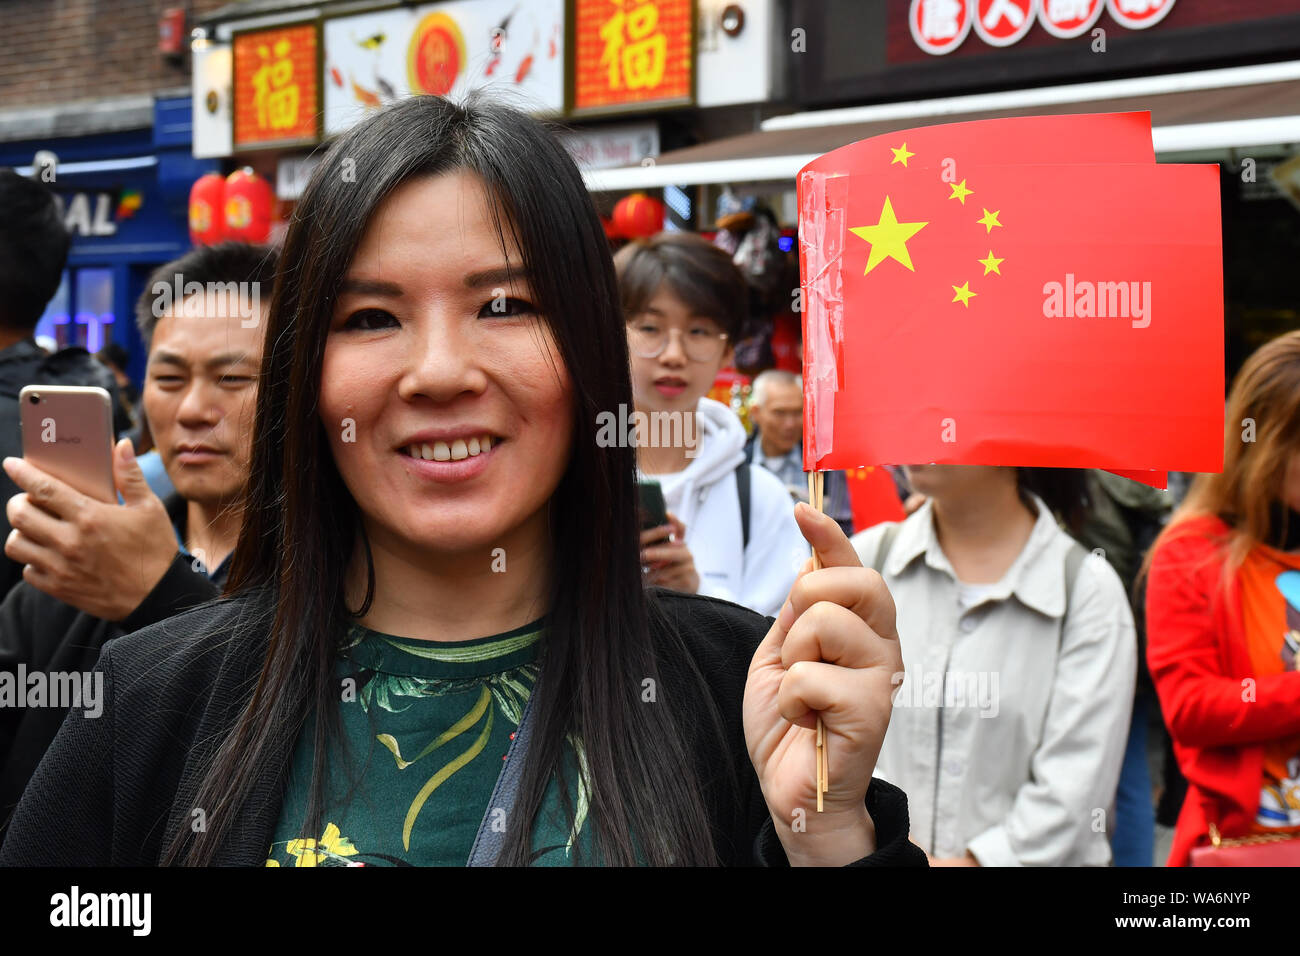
703	496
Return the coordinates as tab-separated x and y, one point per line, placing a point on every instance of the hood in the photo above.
25	363
721	448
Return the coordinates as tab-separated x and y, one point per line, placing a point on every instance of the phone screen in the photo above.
654	513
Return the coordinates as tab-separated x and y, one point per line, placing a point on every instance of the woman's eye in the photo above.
236	380
506	307
167	380
645	328
367	320
702	332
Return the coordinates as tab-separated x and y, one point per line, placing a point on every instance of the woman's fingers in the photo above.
833	633
810	689
860	590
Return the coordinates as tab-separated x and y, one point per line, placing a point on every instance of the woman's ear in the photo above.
728	355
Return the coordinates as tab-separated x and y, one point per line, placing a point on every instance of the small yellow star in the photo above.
964	294
990	219
991	264
888	238
901	155
960	192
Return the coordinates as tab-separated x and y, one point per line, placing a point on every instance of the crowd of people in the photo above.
378	595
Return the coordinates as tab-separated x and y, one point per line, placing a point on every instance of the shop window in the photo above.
81	312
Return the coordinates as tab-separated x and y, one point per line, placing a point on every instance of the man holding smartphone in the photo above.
34	248
93	570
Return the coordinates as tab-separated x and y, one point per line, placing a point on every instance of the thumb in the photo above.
826	537
127	474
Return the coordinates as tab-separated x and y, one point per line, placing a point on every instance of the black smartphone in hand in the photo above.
654	513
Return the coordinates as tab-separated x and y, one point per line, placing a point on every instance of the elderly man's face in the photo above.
780	419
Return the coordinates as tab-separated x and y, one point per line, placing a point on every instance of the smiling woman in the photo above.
439	568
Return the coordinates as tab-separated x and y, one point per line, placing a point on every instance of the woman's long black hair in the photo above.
301	526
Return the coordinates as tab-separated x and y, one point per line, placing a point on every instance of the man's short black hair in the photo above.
33	250
222	263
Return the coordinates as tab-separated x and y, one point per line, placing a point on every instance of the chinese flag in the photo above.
1031	291
873	498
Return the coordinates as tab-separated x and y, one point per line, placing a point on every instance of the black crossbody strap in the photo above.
489	839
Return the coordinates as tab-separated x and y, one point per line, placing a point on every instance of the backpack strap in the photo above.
742	492
1074	559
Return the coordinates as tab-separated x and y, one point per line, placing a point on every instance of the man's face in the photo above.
200	394
780	418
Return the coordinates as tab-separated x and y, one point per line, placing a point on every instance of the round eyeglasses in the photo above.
649	339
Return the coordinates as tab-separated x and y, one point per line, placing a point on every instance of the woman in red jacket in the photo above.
1223	617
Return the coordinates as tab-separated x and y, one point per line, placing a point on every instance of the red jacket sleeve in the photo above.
1198	670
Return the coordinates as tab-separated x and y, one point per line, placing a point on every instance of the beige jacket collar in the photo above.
1037	583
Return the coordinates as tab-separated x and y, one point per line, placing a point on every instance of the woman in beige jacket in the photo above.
1009	727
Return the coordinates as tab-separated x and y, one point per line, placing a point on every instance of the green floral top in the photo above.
426	727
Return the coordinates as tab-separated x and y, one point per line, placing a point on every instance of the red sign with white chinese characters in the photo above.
1004	22
630	53
1069	18
939	26
1139	14
277	98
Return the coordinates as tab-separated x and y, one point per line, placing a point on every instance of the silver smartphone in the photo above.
68	433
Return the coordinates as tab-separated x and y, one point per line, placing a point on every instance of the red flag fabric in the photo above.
1028	291
873	497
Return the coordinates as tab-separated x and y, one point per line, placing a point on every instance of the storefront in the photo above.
124	198
624	80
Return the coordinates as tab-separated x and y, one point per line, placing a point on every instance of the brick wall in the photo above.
55	51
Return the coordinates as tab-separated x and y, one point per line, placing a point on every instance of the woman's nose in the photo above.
674	352
442	361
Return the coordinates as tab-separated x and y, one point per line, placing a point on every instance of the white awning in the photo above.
1237	107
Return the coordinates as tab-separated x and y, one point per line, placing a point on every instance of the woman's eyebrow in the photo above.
372	287
497	276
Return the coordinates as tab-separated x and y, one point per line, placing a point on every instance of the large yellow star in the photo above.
964	294
990	219
960	192
901	155
888	238
991	263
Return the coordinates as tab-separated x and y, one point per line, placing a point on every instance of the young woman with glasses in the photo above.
684	302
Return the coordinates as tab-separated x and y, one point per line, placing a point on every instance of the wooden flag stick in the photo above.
816	491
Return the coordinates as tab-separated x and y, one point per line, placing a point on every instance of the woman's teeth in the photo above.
455	451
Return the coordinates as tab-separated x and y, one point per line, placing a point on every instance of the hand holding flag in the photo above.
832	654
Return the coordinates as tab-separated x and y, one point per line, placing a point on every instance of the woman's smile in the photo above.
455	459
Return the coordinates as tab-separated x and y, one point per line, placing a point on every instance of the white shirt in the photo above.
1007	732
703	497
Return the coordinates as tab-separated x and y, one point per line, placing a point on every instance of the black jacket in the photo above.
25	363
45	634
114	791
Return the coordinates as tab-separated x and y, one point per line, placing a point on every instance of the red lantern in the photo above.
207	204
249	199
638	216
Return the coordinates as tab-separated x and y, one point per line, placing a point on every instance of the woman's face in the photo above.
673	380
954	481
445	398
